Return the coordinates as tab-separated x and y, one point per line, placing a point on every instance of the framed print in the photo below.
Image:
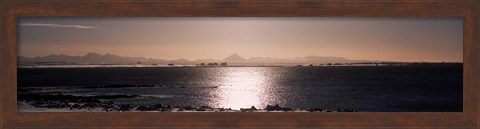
245	64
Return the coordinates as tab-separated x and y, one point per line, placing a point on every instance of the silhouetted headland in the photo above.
110	60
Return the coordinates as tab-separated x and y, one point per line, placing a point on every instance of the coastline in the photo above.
25	107
99	103
368	64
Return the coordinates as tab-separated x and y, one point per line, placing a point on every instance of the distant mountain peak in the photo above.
92	54
234	57
109	58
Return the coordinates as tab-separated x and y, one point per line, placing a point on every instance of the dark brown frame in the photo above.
10	10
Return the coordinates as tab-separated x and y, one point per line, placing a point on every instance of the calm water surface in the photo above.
361	88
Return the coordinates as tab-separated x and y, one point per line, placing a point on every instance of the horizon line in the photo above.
367	60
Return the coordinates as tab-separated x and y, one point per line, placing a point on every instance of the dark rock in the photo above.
269	108
248	109
142	108
277	107
206	107
188	108
315	110
287	109
89	105
147	108
158	106
75	106
124	107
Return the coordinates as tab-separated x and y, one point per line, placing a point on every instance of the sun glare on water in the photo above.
243	88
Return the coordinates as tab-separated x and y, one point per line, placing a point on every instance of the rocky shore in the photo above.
97	103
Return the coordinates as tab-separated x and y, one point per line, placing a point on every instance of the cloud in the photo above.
58	25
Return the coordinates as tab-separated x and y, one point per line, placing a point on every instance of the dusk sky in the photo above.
358	38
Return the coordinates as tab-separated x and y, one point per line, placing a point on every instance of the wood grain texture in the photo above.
2	30
10	118
477	34
471	65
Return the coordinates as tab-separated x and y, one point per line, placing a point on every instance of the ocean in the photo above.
361	88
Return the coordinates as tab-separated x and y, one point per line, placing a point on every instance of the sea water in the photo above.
362	88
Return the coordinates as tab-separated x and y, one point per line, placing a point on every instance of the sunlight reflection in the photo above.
243	88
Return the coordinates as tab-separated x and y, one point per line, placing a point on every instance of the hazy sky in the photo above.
364	38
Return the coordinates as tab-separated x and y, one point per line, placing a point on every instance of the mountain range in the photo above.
94	58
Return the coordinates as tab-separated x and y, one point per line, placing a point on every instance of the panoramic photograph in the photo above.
240	64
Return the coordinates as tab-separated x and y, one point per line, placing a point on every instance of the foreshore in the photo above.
70	103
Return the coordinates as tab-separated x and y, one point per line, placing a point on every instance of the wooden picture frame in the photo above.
11	10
